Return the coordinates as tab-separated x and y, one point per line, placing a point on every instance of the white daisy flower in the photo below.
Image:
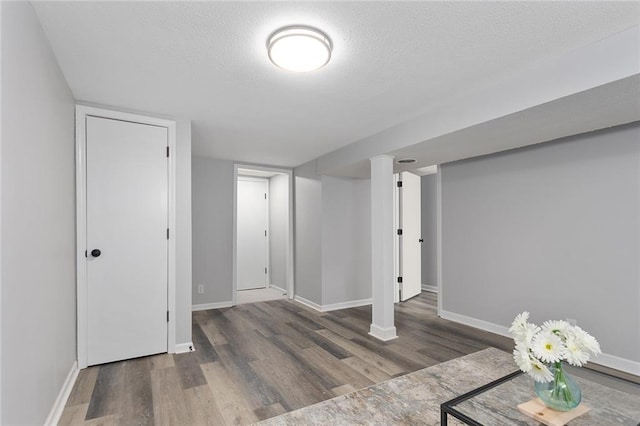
522	359
519	322
540	372
586	341
525	336
557	327
574	353
547	347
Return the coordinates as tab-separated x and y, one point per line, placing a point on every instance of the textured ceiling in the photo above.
206	61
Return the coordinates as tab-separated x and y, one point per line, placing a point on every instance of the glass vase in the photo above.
562	393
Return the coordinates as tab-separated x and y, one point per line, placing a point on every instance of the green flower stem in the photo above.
560	390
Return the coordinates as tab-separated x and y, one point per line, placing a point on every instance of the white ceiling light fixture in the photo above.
299	49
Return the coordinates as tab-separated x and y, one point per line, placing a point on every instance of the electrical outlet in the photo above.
572	321
200	289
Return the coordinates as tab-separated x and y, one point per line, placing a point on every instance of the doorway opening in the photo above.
262	234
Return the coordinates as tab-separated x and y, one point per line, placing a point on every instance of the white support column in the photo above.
382	325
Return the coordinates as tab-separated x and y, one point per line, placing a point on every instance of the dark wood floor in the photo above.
260	360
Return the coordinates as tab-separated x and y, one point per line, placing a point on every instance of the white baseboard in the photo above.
617	363
430	288
604	359
308	303
182	348
333	306
207	306
58	406
384	334
275	287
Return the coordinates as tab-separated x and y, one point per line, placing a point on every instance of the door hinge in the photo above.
167	233
167	316
167	152
400	279
265	195
399	183
399	231
265	270
85	253
265	232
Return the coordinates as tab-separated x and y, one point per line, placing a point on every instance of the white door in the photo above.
127	246
408	243
252	235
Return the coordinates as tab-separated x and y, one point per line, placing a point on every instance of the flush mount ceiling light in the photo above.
406	161
299	49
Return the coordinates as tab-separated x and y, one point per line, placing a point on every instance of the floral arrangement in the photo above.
554	342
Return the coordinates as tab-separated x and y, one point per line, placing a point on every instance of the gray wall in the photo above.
553	229
346	240
183	231
308	238
212	213
38	221
278	227
428	209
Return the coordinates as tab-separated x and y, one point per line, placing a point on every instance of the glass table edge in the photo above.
448	406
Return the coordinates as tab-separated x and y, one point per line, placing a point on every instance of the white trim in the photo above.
439	238
430	288
82	111
332	306
308	303
345	305
617	363
607	360
207	306
58	406
182	348
476	323
275	287
234	243
384	334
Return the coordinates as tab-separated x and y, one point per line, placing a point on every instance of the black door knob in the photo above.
96	253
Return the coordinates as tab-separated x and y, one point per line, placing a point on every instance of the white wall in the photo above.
346	240
38	221
212	201
308	237
553	229
428	225
278	229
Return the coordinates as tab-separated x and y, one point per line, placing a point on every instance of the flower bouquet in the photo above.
539	352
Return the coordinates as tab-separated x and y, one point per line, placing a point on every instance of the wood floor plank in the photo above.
170	407
189	370
228	395
109	384
73	415
160	361
210	329
380	362
83	387
330	366
271	411
202	406
367	370
204	349
341	390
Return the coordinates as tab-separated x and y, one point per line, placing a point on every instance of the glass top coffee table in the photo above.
496	403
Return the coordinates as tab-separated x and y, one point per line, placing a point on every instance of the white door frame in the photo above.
289	239
83	111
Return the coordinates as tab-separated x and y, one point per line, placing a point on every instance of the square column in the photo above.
382	322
